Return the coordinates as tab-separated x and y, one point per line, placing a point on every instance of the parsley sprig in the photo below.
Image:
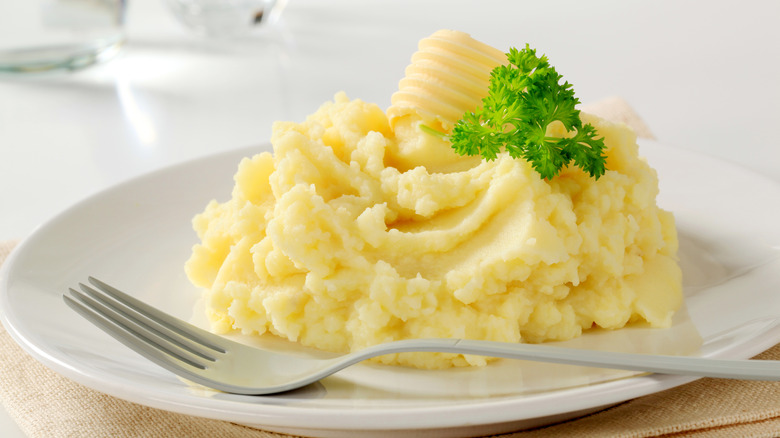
524	98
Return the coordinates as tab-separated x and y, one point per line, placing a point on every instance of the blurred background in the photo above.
702	75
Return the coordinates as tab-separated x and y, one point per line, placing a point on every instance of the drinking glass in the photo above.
44	35
225	18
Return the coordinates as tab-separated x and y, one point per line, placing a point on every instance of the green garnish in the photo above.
524	98
432	131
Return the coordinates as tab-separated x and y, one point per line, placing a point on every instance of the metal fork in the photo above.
229	366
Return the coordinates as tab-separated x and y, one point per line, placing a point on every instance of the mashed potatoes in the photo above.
361	229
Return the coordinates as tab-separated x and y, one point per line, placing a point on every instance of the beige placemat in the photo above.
46	405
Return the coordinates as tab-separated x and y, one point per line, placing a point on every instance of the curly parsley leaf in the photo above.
524	98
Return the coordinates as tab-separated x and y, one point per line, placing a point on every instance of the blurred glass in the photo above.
225	18
43	35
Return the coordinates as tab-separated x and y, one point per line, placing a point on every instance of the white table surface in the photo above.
703	75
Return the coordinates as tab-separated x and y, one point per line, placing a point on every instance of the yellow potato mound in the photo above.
339	241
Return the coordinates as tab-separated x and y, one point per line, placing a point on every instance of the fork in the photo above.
216	362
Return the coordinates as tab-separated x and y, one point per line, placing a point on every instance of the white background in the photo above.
703	75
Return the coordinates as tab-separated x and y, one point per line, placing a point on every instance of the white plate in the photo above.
137	235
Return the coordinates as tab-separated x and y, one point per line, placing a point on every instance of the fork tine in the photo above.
184	329
148	324
112	323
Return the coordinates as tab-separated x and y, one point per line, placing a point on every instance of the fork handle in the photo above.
664	364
